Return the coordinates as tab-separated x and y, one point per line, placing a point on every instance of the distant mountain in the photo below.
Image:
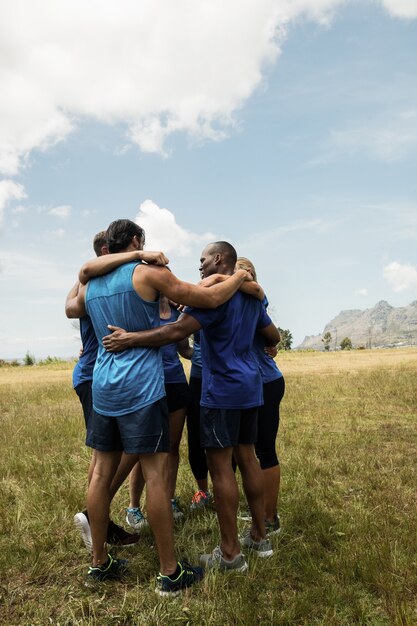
381	327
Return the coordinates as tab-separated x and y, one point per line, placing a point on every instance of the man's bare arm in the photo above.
108	262
162	335
270	334
184	348
147	279
75	303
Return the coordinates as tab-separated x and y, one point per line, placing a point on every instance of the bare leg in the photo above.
271	477
176	426
136	485
127	461
203	484
91	467
158	504
253	487
227	498
98	501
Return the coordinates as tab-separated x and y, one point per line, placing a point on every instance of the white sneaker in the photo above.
83	526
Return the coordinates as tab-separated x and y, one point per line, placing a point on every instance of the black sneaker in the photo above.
119	537
168	586
273	528
113	569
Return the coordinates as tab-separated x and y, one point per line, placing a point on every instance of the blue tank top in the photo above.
83	370
268	367
173	369
196	359
123	381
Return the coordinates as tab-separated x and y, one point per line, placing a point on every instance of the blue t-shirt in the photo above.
231	376
267	365
83	370
123	381
196	360
173	369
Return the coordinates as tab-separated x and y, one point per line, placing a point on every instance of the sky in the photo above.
287	127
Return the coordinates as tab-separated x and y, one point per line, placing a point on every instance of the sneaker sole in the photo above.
271	533
168	594
83	527
143	524
242	568
263	555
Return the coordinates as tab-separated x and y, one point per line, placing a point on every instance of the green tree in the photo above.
286	339
29	359
327	339
346	344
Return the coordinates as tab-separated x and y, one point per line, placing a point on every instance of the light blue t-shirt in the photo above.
123	381
231	376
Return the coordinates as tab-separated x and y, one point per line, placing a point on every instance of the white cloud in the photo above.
9	190
19	209
401	8
361	292
62	211
163	233
400	276
156	67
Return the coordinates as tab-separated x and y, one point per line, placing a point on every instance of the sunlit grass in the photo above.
347	553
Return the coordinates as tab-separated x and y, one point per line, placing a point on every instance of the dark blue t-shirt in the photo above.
231	375
196	360
83	370
173	369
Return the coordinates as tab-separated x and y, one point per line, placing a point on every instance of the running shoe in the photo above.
273	528
216	560
135	518
83	526
176	511
261	548
113	569
200	500
169	586
118	536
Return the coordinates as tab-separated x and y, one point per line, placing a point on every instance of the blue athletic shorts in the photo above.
142	432
225	428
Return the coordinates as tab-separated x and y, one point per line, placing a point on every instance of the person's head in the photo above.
100	243
218	257
123	235
243	263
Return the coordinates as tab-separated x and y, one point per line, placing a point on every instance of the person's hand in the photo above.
117	341
271	351
154	258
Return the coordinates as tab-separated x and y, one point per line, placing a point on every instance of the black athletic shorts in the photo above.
225	428
178	396
83	391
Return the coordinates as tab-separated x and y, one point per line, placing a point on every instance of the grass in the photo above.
348	549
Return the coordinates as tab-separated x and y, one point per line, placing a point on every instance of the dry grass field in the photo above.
347	553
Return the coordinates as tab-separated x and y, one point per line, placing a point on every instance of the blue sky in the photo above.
287	128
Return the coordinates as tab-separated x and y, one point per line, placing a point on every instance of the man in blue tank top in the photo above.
231	393
129	408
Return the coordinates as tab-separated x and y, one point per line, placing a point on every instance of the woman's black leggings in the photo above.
196	454
268	423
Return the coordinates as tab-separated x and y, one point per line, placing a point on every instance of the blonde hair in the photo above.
242	263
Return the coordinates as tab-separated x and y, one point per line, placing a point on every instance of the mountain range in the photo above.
383	326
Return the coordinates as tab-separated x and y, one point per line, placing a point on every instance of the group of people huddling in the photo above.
136	317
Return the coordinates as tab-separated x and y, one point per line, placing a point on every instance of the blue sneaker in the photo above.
135	518
172	587
176	511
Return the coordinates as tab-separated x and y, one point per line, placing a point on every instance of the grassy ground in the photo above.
348	549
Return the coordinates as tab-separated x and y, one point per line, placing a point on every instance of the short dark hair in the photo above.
120	234
99	241
227	251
